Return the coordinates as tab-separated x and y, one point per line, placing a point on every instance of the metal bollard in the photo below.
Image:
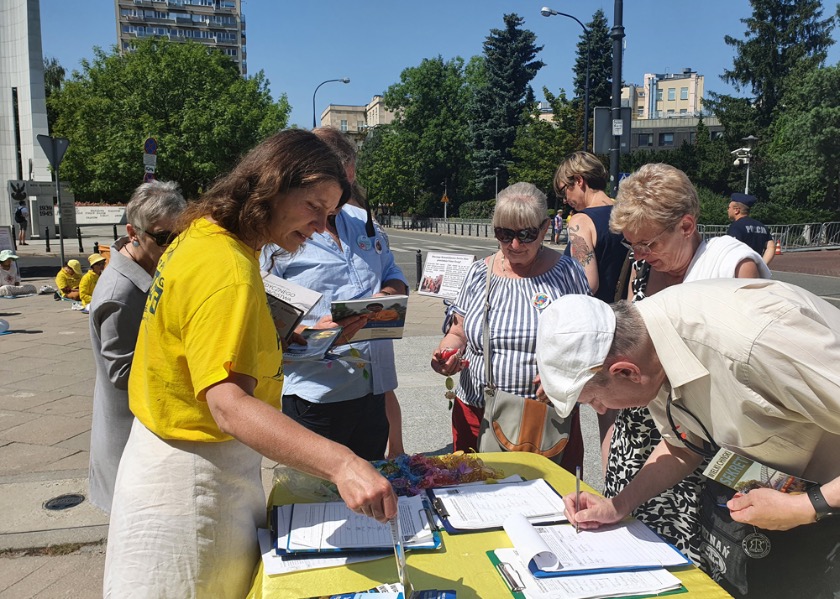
418	263
115	232
79	236
470	230
95	247
47	237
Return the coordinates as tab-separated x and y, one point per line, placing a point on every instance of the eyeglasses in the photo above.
709	449
162	238
640	250
528	235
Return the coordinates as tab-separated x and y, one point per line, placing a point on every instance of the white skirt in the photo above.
184	519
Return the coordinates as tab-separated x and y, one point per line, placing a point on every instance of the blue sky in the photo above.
300	43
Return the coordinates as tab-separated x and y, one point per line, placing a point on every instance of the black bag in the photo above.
19	218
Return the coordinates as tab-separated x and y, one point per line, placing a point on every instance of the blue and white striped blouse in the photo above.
515	306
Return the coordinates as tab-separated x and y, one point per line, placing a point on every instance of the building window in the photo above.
640	111
666	139
360	125
672	94
670	112
344	125
683	93
683	110
658	95
645	140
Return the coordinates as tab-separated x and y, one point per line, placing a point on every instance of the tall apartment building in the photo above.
665	95
219	24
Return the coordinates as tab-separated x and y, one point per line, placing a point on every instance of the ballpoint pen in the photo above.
577	498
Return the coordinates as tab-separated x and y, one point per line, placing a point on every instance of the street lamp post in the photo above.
549	12
342	80
617	35
497	182
743	156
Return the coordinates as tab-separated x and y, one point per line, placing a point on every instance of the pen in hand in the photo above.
577	498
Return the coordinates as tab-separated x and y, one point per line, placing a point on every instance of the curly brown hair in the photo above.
241	201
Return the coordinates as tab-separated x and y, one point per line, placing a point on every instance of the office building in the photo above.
356	120
665	95
218	24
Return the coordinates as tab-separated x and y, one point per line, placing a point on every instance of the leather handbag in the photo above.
514	423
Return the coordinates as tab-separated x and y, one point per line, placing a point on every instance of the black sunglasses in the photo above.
528	235
162	238
709	448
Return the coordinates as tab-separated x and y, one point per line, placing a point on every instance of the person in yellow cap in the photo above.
89	280
67	280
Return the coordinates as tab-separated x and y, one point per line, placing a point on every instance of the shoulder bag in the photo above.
514	423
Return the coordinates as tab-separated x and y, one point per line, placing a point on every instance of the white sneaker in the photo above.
77	306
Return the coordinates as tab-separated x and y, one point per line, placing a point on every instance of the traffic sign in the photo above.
54	148
150	145
149	168
148	177
150	159
445	199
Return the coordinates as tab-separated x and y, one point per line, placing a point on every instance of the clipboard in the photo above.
433	542
515	585
436	498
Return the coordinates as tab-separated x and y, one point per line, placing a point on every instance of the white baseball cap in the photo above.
574	336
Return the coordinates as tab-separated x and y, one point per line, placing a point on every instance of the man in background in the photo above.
746	229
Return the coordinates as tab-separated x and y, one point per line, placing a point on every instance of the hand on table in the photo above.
594	511
771	510
365	491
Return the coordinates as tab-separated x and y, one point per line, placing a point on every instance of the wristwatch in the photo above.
820	504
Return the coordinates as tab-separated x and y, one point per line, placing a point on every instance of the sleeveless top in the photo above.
608	251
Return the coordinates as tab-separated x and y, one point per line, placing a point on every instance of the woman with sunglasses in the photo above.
526	277
656	211
115	312
206	384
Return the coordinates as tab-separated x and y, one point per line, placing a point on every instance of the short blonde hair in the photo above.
520	206
658	194
584	165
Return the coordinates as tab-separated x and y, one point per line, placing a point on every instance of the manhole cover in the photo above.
62	502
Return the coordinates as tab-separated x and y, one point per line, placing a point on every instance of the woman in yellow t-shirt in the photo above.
206	381
91	277
68	278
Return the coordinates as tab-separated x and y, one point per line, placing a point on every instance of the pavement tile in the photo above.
52	428
18	400
11	419
80	442
16	458
76	406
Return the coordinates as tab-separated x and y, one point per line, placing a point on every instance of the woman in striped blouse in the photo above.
526	277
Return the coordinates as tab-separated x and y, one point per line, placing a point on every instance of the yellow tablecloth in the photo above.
462	565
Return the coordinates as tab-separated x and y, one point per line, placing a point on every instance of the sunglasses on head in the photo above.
528	235
162	238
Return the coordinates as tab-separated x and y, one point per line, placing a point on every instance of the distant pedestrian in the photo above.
558	226
748	230
10	276
22	219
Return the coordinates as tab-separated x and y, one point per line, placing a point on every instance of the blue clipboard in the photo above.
386	549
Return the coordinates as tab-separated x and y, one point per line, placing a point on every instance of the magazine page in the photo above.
318	343
386	315
444	274
288	302
744	474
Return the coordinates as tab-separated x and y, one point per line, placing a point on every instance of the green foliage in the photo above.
540	145
498	107
803	156
782	37
713	206
385	169
476	209
431	124
192	99
600	71
54	75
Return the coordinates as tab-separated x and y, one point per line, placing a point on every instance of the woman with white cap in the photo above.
10	276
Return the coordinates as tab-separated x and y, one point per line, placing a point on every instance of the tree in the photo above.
541	146
53	78
782	37
804	154
191	98
386	170
600	68
431	127
499	107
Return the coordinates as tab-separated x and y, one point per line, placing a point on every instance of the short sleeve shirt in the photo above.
206	316
751	232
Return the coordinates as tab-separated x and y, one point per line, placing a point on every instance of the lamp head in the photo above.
345	79
547	12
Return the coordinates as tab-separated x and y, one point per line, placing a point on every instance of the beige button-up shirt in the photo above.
756	362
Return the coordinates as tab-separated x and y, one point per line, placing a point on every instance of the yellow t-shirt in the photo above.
206	316
63	280
87	285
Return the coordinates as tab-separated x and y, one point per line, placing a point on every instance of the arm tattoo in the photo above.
580	249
